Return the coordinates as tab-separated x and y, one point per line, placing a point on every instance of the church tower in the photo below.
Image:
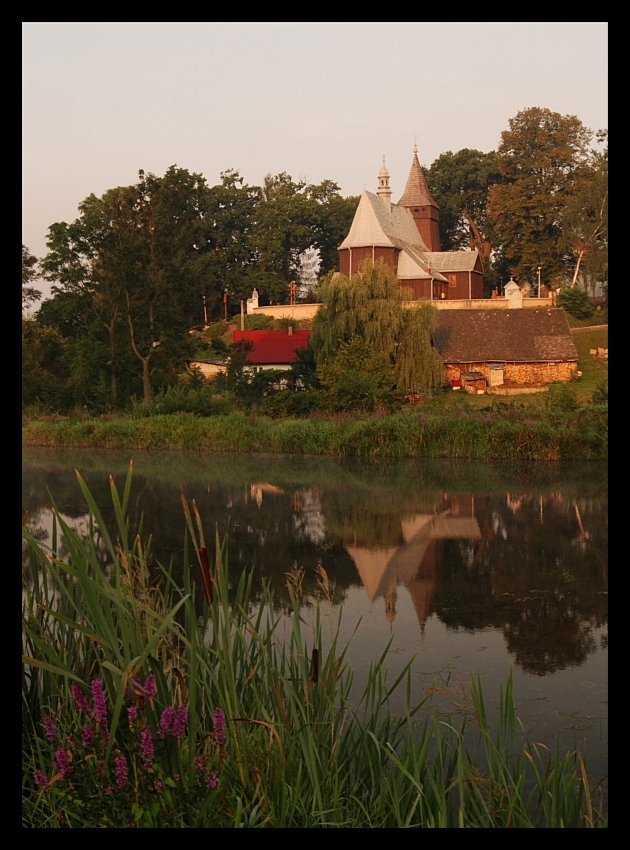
417	198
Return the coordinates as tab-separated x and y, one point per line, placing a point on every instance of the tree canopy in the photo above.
370	306
460	183
29	274
541	160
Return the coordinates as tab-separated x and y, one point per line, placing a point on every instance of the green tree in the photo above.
138	253
460	183
370	305
541	158
29	274
359	378
585	221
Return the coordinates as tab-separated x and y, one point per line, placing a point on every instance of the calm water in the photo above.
469	568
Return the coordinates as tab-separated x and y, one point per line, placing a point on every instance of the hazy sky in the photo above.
317	100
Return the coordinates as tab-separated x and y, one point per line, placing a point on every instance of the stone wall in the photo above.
517	373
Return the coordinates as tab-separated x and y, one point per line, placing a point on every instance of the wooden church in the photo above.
406	236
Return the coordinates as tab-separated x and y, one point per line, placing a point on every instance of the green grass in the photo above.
298	753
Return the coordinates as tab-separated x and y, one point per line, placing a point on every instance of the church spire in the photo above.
384	191
417	192
418	200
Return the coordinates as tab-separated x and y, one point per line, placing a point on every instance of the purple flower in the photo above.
219	726
49	728
88	735
109	790
40	778
173	721
121	771
146	747
150	688
158	785
62	762
100	703
200	763
212	780
79	698
132	713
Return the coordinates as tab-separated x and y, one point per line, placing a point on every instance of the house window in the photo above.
452	281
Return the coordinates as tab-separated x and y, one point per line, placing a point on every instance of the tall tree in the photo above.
371	306
460	183
585	221
136	252
541	157
29	274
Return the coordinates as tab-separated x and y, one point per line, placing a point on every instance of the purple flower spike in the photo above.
49	728
150	688
100	703
121	771
173	721
79	698
219	727
146	747
88	735
40	778
62	763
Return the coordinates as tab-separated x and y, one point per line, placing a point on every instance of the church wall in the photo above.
351	259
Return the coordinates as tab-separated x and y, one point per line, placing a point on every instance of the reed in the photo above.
173	706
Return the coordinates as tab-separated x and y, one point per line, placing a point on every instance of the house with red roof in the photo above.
272	349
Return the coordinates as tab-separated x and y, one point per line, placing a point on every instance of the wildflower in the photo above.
88	735
79	698
146	747
100	703
109	790
150	688
132	713
120	763
200	763
49	728
158	785
62	762
176	777
166	721
173	721
40	778
219	726
212	781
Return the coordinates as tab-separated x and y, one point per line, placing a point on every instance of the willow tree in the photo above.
371	305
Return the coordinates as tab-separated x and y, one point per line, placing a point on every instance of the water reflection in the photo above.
526	557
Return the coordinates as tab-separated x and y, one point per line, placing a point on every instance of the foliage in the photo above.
370	305
575	302
29	274
460	184
541	158
359	378
186	707
585	221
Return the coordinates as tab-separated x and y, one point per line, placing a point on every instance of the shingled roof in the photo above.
514	336
417	192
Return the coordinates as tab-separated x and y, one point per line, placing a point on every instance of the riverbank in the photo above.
495	432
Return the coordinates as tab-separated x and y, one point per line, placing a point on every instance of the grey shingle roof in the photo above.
417	192
514	336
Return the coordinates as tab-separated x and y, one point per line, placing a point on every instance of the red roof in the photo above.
273	347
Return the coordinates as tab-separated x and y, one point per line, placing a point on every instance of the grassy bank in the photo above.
497	431
178	707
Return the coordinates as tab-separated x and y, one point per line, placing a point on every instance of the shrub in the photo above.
575	301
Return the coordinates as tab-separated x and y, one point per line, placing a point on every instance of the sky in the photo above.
320	101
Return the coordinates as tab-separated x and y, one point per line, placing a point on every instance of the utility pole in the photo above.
205	312
539	268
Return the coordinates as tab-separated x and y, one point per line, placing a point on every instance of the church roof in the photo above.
452	261
374	224
417	192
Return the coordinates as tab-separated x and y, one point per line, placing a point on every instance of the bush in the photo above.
575	301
